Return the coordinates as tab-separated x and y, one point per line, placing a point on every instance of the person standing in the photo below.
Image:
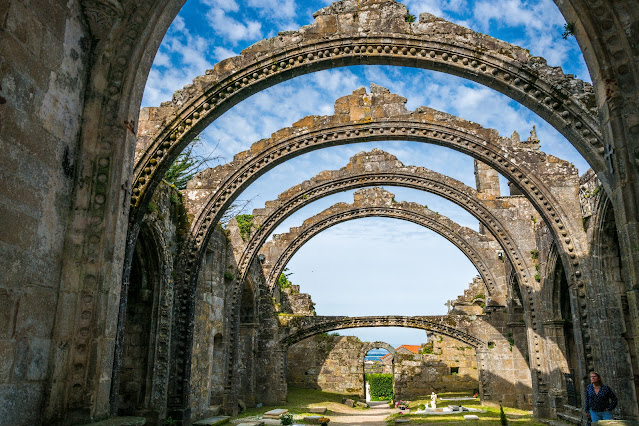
600	399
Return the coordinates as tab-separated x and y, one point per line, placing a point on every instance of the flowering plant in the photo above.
323	421
402	405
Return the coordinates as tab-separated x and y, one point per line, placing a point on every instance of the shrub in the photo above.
381	386
287	419
283	281
245	224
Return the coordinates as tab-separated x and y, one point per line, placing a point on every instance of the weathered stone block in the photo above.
37	357
25	27
35	312
7	348
20	404
25	75
18	228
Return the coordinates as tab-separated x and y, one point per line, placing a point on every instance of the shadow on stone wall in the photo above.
328	363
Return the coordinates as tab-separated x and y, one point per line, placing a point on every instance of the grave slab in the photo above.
216	420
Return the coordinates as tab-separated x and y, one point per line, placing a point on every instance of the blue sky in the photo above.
371	266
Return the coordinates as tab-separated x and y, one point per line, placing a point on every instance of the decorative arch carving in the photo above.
410	177
387	119
377	202
304	327
366	33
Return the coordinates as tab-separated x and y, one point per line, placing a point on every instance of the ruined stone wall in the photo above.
144	362
504	366
420	374
209	327
295	302
329	363
43	72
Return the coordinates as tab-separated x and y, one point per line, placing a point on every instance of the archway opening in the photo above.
248	345
610	288
379	383
136	368
217	371
569	347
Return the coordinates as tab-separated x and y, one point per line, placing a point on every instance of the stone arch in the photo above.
124	37
336	39
376	345
376	202
528	168
304	327
394	173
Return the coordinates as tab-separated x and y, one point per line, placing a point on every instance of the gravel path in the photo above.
343	415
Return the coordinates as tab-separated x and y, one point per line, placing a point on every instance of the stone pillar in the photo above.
271	387
556	363
247	364
482	356
487	180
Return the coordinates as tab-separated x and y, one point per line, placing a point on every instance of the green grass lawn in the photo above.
489	417
300	400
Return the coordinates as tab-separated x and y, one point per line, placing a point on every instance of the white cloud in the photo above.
226	5
539	15
182	57
222	53
232	29
275	9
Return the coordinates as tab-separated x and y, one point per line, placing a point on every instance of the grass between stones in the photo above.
300	400
490	416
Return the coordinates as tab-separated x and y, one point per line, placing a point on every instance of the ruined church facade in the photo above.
122	296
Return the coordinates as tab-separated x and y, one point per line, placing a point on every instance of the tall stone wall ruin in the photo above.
44	68
72	75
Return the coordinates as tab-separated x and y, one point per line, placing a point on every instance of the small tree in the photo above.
502	416
283	281
186	165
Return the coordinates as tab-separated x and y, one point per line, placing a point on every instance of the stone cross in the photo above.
608	153
449	304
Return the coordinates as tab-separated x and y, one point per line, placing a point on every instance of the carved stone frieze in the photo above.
102	15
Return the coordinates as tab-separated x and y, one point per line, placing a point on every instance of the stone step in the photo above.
214	410
275	414
120	421
569	418
317	410
215	420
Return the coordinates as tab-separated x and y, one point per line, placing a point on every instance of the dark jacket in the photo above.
605	400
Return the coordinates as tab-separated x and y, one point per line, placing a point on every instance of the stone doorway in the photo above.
377	358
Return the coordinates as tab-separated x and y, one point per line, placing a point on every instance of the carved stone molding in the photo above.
102	14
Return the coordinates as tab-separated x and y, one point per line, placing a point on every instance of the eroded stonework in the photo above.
72	80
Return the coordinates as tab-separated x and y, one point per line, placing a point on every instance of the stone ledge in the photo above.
120	421
216	420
